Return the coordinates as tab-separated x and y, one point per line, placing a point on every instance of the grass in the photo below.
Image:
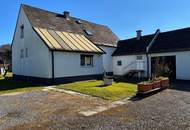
117	90
8	85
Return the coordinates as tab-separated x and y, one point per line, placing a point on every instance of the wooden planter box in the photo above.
143	87
165	83
157	84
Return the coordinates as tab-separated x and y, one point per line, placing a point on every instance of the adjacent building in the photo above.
139	56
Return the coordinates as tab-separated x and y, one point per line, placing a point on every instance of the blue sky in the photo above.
124	17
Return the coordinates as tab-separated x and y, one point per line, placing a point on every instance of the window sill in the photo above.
86	66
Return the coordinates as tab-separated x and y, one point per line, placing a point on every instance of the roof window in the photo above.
88	32
79	21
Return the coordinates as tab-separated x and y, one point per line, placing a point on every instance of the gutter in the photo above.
147	52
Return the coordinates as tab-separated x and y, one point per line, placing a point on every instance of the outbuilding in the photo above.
143	55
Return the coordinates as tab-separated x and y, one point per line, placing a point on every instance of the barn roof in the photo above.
99	34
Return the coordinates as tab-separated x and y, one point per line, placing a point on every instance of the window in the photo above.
79	21
21	53
86	60
26	53
88	32
139	57
22	31
119	63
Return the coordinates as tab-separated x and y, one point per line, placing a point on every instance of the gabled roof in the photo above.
172	41
102	35
133	46
57	40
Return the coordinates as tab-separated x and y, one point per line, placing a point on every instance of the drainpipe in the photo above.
148	75
147	52
52	62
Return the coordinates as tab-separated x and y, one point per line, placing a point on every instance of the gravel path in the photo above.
33	109
167	110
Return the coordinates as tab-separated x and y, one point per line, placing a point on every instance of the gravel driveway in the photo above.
167	110
40	108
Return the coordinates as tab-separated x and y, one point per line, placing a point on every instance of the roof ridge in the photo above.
61	14
160	33
136	38
180	29
34	7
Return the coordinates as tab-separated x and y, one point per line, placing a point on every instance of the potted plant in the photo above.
145	86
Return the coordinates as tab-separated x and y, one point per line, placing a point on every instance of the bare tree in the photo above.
5	57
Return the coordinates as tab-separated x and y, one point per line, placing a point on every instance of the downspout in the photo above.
147	52
147	57
52	62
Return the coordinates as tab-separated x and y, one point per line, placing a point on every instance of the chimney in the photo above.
139	34
66	15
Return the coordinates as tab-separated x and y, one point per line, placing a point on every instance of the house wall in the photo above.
126	61
38	62
182	63
67	64
107	58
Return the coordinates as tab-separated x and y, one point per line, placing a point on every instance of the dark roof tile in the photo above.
172	41
54	21
133	46
176	40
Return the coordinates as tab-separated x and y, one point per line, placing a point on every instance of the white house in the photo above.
50	46
139	56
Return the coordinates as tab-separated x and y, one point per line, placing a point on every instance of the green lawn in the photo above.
113	92
7	85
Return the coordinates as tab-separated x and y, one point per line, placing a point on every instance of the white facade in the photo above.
182	63
67	64
107	58
38	62
129	62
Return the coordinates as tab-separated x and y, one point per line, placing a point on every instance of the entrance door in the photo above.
164	66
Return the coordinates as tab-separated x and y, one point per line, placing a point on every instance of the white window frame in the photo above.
88	60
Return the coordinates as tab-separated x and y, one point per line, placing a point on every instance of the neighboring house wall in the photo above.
67	64
182	63
125	64
107	58
38	62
